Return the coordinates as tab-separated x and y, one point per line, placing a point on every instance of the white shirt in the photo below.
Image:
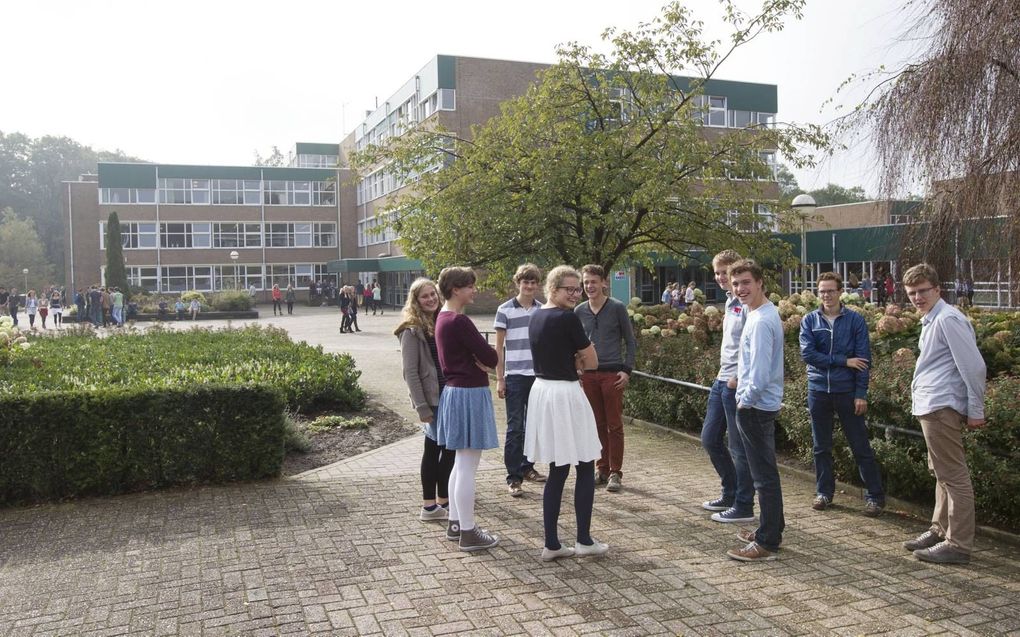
733	324
949	371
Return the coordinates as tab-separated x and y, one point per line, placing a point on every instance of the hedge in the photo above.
106	441
993	452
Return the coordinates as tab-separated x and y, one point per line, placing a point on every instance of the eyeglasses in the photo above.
570	290
915	293
824	292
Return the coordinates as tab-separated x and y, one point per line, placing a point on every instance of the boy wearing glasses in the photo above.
835	345
948	394
607	325
515	373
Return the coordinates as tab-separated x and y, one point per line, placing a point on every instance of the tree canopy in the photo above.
20	248
31	171
949	119
603	160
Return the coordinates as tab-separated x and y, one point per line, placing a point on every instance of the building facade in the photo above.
209	228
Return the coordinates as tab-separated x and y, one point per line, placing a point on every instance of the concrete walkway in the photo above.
339	551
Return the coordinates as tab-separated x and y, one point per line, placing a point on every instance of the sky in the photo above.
216	81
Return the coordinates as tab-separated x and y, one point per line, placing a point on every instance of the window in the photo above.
740	119
376	230
769	159
230	277
186	277
278	235
323	193
184	235
237	235
127	195
252	192
316	161
716	111
767	120
183	191
447	99
324	235
227	192
300	193
297	274
276	193
133	235
146	278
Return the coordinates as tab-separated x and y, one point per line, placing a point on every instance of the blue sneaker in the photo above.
719	504
732	515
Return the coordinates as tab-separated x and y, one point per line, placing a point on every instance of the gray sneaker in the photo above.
615	482
595	548
438	513
477	539
453	531
926	540
943	553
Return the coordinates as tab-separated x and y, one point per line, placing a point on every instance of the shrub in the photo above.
230	301
106	441
190	295
307	377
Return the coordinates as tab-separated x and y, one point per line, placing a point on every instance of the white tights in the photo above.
462	487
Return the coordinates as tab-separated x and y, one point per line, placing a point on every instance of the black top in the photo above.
431	340
556	335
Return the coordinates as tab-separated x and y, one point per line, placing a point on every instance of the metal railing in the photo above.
889	429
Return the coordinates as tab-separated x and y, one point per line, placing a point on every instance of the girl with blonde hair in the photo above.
425	383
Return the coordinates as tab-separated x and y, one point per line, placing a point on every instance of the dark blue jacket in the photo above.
825	351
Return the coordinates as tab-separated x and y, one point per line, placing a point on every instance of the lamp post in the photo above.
233	258
805	206
25	272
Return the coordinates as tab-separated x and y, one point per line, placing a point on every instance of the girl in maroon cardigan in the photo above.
466	420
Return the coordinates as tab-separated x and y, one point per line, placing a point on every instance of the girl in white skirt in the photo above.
467	424
560	428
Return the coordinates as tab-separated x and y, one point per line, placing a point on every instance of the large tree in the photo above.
603	160
31	172
949	120
20	248
116	272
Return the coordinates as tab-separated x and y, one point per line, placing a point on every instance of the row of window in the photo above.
410	111
211	278
315	161
226	192
375	230
144	235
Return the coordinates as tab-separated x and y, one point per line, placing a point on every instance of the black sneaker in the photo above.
719	504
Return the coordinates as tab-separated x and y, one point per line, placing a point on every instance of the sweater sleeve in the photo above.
628	336
409	354
959	335
475	342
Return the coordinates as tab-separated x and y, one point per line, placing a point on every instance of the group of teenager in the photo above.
562	367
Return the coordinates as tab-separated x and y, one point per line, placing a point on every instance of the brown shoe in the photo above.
746	535
601	479
753	552
515	489
821	503
534	476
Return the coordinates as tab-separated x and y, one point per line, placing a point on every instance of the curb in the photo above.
896	506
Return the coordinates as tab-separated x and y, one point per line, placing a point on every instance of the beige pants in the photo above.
954	495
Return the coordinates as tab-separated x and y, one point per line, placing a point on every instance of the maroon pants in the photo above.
607	403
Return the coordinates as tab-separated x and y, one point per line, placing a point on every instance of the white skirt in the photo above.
561	426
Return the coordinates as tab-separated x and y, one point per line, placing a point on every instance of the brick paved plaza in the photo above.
340	551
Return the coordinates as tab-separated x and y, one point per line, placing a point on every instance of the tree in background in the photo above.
116	271
950	120
275	158
31	172
20	248
603	160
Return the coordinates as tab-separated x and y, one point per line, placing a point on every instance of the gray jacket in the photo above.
610	332
419	372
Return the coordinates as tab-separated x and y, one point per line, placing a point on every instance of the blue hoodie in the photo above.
826	349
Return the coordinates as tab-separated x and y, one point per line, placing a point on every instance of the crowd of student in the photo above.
562	367
50	303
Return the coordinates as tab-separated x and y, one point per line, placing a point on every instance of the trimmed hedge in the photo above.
993	452
75	443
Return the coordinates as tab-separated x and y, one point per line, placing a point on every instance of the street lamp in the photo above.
805	206
25	272
233	258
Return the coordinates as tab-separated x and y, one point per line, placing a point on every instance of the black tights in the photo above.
584	500
436	465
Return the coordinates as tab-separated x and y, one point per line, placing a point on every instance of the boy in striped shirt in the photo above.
515	373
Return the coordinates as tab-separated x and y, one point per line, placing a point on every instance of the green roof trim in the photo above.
299	174
740	96
179	171
447	71
127	175
306	148
385	264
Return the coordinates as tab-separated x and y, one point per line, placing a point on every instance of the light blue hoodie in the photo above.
760	366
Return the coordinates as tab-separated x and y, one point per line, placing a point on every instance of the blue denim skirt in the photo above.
465	419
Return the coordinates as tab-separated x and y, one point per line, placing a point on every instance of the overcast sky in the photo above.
213	82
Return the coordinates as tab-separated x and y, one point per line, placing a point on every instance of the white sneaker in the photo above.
596	548
438	513
563	551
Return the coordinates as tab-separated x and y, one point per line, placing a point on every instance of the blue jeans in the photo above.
729	462
518	388
823	406
758	433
